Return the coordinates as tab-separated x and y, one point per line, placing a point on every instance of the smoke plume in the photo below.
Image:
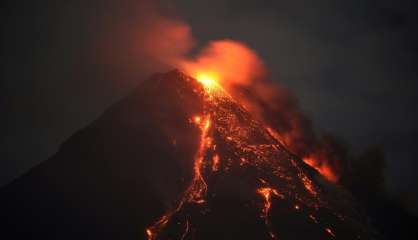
143	39
230	62
241	71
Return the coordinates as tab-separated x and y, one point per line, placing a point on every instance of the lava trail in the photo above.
235	148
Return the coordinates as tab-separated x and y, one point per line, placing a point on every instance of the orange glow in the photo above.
308	184
156	228
266	193
198	187
320	164
149	233
329	231
225	62
208	79
217	122
322	167
197	119
215	162
305	180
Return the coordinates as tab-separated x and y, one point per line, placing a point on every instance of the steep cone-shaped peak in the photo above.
180	159
247	185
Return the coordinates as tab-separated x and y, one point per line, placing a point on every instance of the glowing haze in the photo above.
227	62
231	64
239	70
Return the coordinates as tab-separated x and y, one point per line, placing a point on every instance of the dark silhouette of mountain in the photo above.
177	159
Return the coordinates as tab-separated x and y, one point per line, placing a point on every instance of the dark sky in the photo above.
352	64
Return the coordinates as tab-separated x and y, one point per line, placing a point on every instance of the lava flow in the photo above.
197	189
267	193
238	158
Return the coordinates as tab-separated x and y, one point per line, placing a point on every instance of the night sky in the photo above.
352	64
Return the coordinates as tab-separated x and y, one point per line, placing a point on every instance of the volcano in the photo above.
178	158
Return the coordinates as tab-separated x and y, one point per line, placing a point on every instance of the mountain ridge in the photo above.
148	168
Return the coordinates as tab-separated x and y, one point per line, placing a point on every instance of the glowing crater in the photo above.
209	80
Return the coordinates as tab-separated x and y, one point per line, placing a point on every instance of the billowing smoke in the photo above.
280	110
167	41
229	62
145	40
137	39
239	69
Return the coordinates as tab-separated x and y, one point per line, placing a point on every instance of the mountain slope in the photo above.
178	159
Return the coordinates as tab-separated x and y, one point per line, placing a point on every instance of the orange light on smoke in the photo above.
224	62
322	168
208	79
197	119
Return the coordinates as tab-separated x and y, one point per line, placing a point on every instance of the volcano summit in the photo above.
178	159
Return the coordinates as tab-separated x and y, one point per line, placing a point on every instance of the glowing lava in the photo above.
198	187
267	193
235	66
215	95
208	79
319	164
231	141
210	82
